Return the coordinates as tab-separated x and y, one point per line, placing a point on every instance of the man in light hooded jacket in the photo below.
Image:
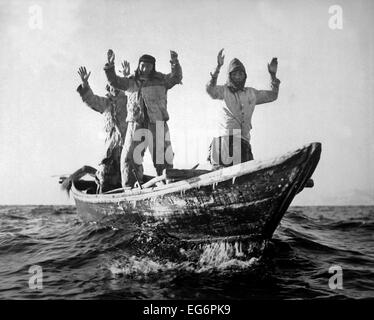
114	108
147	115
235	114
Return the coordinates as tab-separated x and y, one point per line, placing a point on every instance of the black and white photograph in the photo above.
185	151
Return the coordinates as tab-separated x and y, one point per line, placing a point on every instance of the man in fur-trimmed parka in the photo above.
147	115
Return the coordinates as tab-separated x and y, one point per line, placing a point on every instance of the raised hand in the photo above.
220	58
84	76
111	56
125	68
173	56
273	66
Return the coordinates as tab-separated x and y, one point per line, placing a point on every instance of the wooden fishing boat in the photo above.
244	201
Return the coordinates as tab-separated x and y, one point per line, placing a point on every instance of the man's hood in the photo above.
235	65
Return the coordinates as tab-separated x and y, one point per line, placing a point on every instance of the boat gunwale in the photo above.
203	180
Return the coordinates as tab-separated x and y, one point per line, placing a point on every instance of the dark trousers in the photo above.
228	150
139	137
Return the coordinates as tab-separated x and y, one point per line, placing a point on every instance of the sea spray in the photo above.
156	252
138	266
222	254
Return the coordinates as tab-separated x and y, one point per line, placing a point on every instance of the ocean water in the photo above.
47	252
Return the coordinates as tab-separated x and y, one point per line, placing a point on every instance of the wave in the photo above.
353	225
94	260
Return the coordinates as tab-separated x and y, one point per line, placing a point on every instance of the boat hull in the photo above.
244	201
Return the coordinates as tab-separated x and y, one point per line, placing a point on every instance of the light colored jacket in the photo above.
153	91
237	110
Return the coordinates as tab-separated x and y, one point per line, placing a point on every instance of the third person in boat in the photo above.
232	146
114	108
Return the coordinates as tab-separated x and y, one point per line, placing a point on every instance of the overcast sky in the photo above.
326	92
